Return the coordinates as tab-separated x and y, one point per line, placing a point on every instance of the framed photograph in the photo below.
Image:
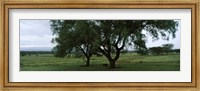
100	45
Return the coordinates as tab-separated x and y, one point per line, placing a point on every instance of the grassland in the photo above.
126	62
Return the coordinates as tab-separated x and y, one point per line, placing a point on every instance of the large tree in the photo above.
114	35
110	37
73	35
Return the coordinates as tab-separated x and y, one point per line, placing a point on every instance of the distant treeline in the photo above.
23	53
161	50
157	51
152	50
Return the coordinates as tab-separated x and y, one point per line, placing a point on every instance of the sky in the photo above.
36	35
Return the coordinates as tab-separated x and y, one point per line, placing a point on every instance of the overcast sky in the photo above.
37	35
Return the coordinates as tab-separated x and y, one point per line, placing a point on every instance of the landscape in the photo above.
99	45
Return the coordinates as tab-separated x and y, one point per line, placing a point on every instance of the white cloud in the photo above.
35	33
36	41
175	41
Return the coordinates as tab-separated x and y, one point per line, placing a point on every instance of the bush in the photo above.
156	50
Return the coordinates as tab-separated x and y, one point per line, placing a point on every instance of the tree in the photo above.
156	50
23	53
110	37
72	34
142	51
167	47
114	35
176	50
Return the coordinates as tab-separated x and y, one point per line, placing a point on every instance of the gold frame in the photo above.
155	86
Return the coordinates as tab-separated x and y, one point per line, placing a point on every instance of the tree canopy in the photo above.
73	35
109	37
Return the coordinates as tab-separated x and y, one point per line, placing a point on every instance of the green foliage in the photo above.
108	36
142	51
29	53
73	35
114	35
165	48
156	50
23	53
176	50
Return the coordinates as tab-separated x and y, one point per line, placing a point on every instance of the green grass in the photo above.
126	62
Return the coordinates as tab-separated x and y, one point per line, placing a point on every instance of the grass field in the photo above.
126	62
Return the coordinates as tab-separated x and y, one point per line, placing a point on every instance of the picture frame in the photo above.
111	86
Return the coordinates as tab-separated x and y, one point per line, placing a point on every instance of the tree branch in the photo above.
123	44
118	39
103	51
82	50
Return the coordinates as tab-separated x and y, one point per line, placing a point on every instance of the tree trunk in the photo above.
112	64
113	60
88	61
109	56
